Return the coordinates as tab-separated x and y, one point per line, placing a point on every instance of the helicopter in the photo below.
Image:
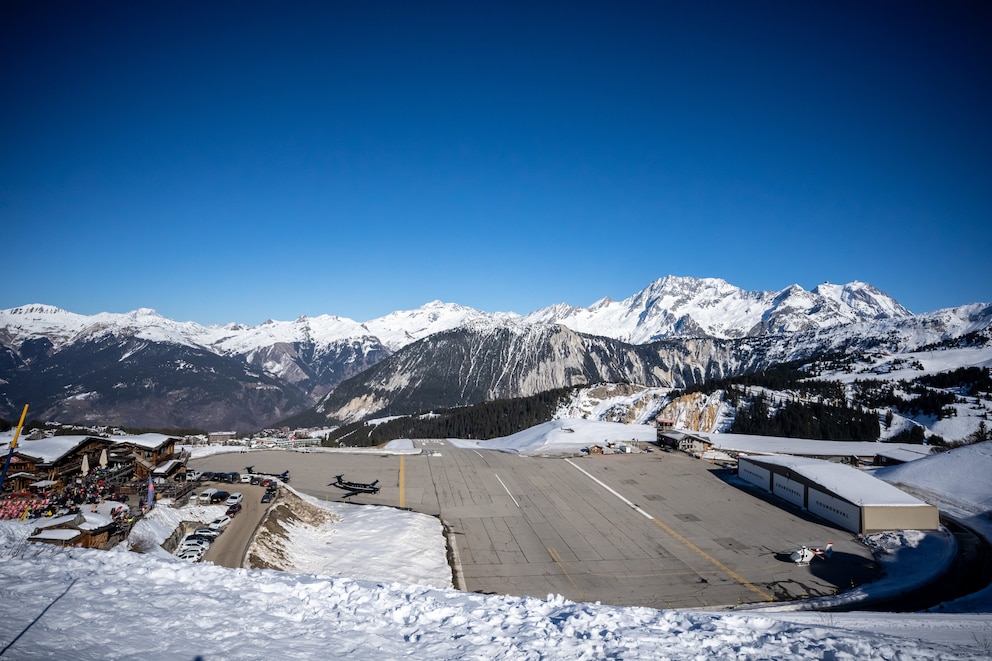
805	555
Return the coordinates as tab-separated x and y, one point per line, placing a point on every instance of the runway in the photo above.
656	529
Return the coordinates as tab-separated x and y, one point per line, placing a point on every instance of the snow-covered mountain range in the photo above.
677	330
668	307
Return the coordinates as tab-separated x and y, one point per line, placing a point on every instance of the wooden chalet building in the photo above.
55	461
154	454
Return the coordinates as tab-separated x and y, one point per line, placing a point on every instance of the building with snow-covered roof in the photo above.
854	452
154	453
221	437
845	496
61	460
53	460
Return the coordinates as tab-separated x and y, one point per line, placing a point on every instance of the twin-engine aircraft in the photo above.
805	555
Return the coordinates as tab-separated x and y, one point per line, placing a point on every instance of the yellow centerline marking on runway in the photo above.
402	481
722	567
561	565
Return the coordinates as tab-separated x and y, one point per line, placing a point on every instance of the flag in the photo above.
150	500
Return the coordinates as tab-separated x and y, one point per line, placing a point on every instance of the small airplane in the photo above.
354	488
805	555
284	476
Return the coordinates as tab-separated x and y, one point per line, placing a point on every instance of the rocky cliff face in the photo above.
471	365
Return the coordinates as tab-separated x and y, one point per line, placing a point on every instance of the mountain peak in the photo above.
36	309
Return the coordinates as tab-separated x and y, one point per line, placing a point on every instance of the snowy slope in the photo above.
149	606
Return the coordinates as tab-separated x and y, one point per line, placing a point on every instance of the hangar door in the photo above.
754	474
790	490
835	510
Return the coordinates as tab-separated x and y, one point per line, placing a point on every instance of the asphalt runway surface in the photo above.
657	529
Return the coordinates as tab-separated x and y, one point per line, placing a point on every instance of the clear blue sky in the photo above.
238	161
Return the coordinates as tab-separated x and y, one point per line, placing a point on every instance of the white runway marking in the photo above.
508	491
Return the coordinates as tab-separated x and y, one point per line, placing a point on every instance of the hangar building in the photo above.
845	496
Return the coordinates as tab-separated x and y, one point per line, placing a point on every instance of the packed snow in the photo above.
386	594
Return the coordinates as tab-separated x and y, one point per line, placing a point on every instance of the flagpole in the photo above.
13	444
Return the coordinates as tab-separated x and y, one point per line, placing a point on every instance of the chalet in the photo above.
58	460
88	531
154	454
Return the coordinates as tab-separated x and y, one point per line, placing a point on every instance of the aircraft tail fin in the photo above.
827	552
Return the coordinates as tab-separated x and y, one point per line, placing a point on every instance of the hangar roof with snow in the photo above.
849	483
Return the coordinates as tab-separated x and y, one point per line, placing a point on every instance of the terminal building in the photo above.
845	496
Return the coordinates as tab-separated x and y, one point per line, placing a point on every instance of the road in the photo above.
229	549
657	529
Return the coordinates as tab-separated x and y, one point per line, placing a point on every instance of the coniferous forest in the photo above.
482	421
815	420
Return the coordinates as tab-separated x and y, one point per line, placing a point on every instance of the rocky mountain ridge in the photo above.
142	369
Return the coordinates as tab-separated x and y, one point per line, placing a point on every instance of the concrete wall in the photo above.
896	517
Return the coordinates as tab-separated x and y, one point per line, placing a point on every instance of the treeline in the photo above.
785	377
815	420
487	420
924	401
971	380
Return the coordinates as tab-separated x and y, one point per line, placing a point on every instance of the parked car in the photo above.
193	474
219	497
193	537
205	475
234	510
206	495
204	531
234	498
185	548
220	522
255	479
194	544
268	496
191	555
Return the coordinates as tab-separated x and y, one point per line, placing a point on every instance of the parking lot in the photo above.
229	548
662	529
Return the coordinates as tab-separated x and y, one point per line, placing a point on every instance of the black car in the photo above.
219	497
233	510
267	496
